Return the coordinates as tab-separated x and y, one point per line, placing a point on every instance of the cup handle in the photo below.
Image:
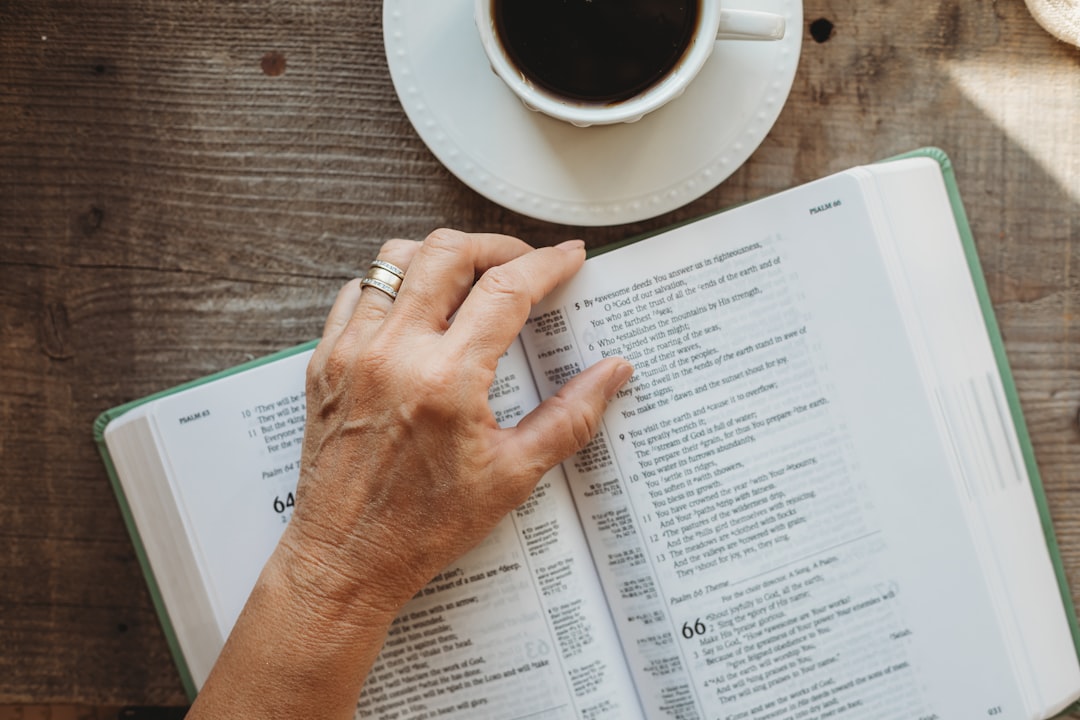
750	25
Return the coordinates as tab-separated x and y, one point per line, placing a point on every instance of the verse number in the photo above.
281	505
691	631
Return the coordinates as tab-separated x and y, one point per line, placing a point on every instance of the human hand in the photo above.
404	467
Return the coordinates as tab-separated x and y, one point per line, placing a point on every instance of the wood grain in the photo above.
57	712
183	186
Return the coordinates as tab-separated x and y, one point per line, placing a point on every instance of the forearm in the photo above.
294	653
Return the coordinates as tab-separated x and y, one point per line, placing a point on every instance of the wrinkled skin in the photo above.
403	468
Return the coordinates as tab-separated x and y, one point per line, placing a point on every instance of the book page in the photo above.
775	519
232	449
959	361
518	627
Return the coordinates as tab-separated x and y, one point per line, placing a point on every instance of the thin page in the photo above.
777	527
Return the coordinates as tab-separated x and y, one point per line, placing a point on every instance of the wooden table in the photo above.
184	186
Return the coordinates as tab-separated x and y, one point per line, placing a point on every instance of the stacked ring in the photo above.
384	276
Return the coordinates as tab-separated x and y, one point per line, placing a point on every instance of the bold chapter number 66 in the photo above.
691	631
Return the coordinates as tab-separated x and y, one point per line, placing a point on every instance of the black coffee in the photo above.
600	51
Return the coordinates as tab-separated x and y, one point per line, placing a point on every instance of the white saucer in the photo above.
601	175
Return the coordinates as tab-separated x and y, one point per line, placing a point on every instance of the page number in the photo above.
281	505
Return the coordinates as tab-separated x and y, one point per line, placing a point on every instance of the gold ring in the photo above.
384	276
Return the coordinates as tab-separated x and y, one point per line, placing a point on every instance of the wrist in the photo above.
305	639
331	587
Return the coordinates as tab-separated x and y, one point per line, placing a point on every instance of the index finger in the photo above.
495	311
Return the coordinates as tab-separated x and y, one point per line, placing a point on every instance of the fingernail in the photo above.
617	379
571	245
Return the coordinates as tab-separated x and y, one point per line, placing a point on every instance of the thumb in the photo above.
564	423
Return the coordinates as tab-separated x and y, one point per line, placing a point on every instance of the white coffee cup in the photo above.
712	25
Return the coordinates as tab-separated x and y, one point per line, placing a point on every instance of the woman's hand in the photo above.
403	467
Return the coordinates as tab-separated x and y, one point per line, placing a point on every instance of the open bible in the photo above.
815	498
